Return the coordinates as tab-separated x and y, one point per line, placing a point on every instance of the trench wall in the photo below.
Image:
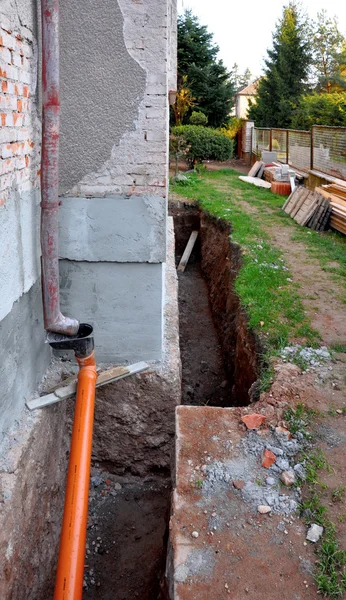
221	261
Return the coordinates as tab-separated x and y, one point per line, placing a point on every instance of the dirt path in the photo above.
319	292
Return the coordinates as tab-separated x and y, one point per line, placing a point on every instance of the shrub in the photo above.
198	118
204	143
233	127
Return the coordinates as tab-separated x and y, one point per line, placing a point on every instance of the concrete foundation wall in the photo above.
113	229
122	301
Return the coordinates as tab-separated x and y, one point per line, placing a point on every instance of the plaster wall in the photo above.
23	354
117	66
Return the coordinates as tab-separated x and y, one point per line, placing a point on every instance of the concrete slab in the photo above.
116	229
122	301
220	545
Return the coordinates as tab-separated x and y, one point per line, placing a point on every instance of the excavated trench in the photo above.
220	354
129	512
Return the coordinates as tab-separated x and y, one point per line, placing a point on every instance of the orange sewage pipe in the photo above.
69	579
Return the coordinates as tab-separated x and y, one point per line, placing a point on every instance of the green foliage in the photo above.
209	81
320	109
198	118
286	71
178	148
240	80
204	143
327	44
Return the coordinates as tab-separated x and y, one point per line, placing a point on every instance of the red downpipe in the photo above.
53	319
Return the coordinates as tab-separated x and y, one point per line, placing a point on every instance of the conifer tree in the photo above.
286	72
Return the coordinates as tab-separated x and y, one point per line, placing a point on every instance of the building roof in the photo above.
249	90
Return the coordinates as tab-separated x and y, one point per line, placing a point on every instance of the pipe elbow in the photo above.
63	325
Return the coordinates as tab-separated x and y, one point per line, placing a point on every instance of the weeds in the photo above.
341	348
299	418
339	493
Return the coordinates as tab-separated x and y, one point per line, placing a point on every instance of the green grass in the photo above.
327	247
330	573
339	348
339	493
299	418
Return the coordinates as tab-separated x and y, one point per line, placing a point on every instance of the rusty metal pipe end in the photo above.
63	325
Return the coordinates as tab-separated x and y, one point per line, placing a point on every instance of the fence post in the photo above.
312	149
271	141
287	146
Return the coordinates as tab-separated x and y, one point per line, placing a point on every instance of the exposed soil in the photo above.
220	363
204	377
127	538
245	554
268	556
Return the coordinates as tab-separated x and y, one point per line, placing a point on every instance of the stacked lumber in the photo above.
336	194
309	209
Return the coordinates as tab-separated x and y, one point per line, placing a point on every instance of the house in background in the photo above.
244	97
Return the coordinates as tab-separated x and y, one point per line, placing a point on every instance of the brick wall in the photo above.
19	142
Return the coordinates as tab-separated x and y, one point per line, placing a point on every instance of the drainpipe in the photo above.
53	319
64	333
70	573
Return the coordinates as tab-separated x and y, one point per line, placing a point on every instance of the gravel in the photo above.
262	487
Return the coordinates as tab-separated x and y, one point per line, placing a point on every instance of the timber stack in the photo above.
310	209
336	195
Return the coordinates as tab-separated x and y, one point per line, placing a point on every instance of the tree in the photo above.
327	45
240	80
209	81
183	102
286	72
320	109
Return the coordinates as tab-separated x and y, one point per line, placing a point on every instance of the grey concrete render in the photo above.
20	247
113	229
123	301
24	356
101	86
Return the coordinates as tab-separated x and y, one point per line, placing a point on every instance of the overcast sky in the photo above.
243	30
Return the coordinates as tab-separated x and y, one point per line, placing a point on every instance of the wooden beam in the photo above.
187	252
68	391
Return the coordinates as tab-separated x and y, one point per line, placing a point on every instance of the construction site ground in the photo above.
268	555
223	546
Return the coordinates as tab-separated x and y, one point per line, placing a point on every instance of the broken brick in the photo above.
269	459
253	421
238	484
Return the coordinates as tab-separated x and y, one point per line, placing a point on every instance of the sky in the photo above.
244	31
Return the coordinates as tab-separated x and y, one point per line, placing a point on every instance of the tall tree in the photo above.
327	44
208	79
240	80
286	72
